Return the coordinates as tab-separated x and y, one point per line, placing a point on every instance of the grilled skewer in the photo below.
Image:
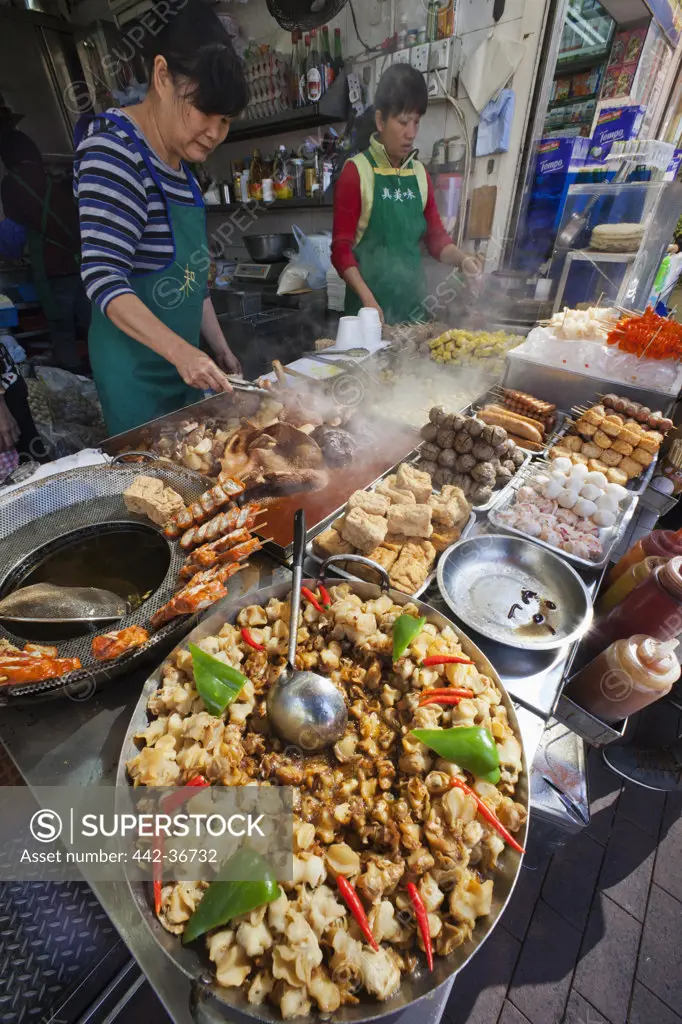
226	522
209	503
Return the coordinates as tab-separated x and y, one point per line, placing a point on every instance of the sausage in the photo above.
512	423
529	446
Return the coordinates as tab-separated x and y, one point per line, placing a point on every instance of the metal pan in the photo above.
224	1004
483	578
609	537
359	559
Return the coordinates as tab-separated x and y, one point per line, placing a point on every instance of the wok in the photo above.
213	1003
269	248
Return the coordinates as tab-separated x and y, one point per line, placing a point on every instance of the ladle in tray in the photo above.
305	709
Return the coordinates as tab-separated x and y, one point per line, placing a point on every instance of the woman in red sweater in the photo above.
385	206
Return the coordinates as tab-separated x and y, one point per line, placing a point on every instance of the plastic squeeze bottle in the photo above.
626	677
626	583
659	543
654	608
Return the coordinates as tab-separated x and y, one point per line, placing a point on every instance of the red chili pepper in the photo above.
486	813
443	659
309	596
170	803
356	908
447	691
248	639
437	698
421	913
324	594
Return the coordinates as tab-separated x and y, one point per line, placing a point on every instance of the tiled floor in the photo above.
593	935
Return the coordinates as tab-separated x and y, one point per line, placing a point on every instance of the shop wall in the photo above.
522	20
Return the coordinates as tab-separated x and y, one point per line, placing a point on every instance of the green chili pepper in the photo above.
471	747
405	629
224	900
218	684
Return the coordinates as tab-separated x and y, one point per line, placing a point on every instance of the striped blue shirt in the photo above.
123	219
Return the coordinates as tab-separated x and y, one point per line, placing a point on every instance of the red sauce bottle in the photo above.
653	608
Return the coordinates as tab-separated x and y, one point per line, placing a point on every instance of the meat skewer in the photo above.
204	590
209	503
225	523
214	554
110	646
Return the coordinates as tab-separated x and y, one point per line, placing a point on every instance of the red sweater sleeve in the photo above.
347	212
436	236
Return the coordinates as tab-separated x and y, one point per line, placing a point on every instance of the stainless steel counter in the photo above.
79	743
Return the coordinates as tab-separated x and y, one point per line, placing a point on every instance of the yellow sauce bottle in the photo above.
626	583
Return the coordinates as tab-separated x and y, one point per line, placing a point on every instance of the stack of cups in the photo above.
370	323
350	333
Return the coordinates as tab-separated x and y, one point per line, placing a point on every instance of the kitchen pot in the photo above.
269	248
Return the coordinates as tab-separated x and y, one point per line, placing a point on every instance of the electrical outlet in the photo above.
441	54
434	87
419	57
401	57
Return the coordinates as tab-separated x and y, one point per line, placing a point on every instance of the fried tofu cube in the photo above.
386	556
408	478
395	495
442	537
631	467
450	507
150	497
411	521
370	501
414	565
331	543
364	531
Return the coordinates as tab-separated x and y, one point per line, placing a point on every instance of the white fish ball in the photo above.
553	489
604	519
607	503
591	492
567	499
561	477
579	471
563	465
585	508
540	480
616	491
598	479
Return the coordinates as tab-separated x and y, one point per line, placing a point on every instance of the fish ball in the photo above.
604	519
563	465
591	492
598	479
567	498
584	508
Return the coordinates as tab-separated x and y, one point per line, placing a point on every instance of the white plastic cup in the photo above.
370	322
350	334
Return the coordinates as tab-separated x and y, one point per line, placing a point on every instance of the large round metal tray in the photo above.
230	1004
81	501
481	577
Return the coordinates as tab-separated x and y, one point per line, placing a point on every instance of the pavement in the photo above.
593	934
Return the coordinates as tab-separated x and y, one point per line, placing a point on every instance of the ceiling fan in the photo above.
304	14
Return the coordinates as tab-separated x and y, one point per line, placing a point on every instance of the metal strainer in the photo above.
49	603
83	503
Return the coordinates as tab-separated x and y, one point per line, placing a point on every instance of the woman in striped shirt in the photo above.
143	227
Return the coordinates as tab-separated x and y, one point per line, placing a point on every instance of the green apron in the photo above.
134	383
388	253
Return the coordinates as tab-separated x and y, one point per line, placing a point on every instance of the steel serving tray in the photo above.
350	558
609	537
483	577
416	984
638	485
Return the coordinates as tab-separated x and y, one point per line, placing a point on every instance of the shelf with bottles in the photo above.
279	205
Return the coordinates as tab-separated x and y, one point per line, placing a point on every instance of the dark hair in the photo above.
197	47
402	90
16	148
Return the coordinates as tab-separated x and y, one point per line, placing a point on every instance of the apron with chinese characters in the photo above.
391	229
135	384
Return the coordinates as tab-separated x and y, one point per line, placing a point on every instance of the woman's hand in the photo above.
371	303
199	371
9	431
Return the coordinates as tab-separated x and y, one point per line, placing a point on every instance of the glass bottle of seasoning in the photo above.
327	59
304	74
626	583
432	22
296	69
314	73
338	53
631	674
256	176
654	607
661	543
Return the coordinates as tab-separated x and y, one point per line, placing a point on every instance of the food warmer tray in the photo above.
39	518
351	558
220	1004
637	486
208	408
609	537
491	396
